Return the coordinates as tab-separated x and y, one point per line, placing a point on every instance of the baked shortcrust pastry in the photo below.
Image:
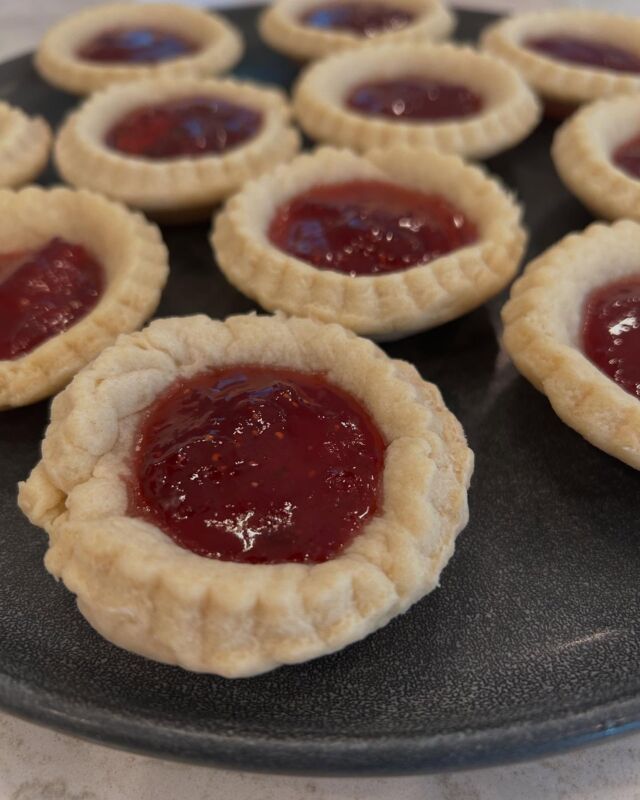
232	496
386	244
76	270
121	42
175	148
572	327
308	29
570	56
597	155
445	96
24	146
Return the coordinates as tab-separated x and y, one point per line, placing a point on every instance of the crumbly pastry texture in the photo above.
135	262
510	111
384	306
24	146
543	321
145	593
172	188
282	29
221	46
582	153
556	80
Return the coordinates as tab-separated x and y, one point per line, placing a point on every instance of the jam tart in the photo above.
570	57
445	96
597	154
25	143
572	328
387	244
175	148
309	29
166	487
76	270
121	42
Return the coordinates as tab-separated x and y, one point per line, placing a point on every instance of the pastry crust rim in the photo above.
384	306
25	143
134	282
145	593
582	396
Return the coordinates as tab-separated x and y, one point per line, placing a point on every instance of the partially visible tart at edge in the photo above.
364	19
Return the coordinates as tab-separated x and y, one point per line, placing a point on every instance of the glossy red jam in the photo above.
414	98
258	464
611	331
587	52
365	19
189	126
369	227
627	157
144	45
44	293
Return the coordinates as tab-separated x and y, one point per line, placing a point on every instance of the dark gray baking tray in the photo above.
531	645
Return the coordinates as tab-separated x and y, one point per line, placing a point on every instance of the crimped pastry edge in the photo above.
171	185
145	593
511	110
552	79
542	320
384	306
25	143
135	261
222	46
280	29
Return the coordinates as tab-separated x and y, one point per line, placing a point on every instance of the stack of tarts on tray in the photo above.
234	495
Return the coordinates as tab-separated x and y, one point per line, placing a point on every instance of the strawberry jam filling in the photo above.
414	98
627	157
44	293
144	45
587	52
366	19
258	464
369	227
611	331
188	126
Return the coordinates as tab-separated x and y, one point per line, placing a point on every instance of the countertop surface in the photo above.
38	764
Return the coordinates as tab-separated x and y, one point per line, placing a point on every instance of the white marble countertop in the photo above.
38	764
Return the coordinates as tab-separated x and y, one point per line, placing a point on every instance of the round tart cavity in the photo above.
145	592
572	329
87	51
75	271
406	239
444	96
597	156
309	29
570	57
24	146
175	148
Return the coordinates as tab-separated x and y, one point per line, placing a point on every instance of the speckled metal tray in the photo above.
531	645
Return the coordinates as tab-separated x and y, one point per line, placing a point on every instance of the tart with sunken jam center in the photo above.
25	143
253	485
572	327
309	29
122	42
388	244
175	148
570	57
76	270
449	97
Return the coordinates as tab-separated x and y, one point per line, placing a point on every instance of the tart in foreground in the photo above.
309	29
76	270
175	148
121	42
25	143
446	96
386	244
233	496
572	327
